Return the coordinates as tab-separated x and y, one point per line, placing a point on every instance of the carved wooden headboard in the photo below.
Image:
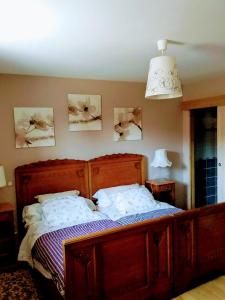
49	177
115	169
67	174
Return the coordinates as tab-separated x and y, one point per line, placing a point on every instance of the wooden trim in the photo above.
192	160
187	155
203	103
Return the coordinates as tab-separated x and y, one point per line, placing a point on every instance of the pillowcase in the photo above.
129	202
104	195
67	212
32	214
43	197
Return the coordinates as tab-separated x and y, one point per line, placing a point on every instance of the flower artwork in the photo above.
127	124
34	127
84	112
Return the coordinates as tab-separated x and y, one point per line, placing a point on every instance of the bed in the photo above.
153	259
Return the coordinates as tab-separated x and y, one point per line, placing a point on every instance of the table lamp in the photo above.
161	160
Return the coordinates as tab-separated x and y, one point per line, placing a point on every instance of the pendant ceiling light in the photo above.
163	80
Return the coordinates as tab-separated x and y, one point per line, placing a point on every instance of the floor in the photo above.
213	290
20	284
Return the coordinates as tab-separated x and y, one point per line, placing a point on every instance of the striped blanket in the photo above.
48	248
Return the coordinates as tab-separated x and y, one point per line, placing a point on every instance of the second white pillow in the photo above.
129	202
104	195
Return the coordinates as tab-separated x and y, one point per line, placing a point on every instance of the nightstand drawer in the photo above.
165	188
6	216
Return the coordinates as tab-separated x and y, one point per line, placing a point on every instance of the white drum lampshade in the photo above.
163	80
2	177
161	159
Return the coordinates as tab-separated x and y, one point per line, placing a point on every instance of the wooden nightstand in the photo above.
7	238
162	190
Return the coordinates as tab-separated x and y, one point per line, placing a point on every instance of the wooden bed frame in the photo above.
154	259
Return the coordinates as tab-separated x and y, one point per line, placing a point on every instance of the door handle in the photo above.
219	164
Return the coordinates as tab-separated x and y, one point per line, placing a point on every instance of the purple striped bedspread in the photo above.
49	252
48	248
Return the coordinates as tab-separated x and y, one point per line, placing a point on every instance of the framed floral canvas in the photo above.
85	112
127	124
34	127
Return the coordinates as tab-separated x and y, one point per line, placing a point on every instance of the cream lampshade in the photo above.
163	80
2	177
161	159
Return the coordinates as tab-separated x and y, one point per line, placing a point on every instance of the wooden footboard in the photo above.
132	262
150	260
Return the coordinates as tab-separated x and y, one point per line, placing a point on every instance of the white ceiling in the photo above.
111	39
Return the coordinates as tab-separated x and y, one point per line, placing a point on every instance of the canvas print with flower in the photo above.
127	124
84	112
34	127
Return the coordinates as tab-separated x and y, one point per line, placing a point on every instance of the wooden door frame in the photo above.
220	154
203	103
188	157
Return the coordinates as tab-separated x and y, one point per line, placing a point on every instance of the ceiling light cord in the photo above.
162	46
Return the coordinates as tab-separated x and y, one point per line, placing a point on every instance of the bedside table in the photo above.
162	190
7	239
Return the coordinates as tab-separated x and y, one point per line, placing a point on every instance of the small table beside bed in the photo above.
133	247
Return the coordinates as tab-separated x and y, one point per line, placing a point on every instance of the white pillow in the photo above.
129	202
104	195
43	197
67	211
57	196
32	214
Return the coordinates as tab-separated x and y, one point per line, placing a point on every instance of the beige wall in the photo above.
206	88
162	123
